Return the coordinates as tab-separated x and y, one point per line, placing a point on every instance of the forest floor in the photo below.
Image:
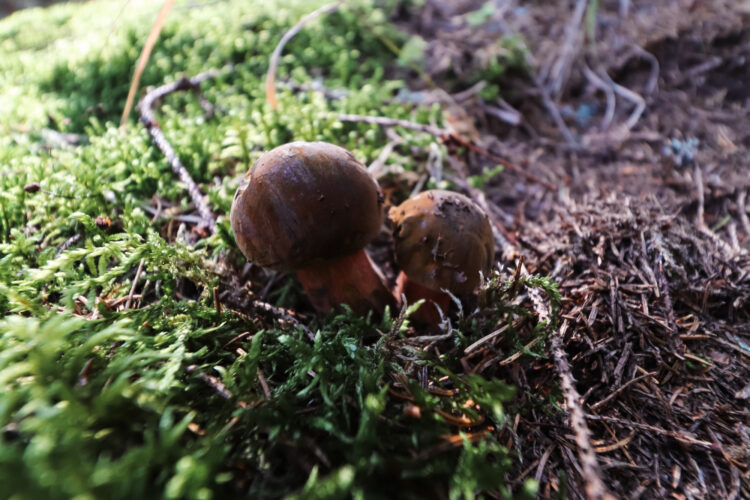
638	118
141	355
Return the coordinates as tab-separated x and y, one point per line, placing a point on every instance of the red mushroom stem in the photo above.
353	280
428	313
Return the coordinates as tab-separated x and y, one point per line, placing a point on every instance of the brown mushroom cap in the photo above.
443	240
305	201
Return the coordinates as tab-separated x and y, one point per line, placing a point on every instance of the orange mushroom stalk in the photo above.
443	241
312	207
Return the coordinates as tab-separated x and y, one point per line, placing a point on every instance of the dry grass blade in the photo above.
274	62
153	36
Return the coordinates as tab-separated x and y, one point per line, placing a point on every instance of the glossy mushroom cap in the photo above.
305	201
443	240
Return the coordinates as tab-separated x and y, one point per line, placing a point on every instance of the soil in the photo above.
646	231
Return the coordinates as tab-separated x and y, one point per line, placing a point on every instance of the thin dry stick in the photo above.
502	161
635	98
594	486
153	36
478	343
682	437
284	314
741	197
653	78
146	107
698	173
393	122
445	136
608	93
135	282
621	388
538	77
628	95
274	63
558	73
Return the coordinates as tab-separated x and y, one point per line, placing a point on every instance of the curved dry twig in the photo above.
609	94
276	56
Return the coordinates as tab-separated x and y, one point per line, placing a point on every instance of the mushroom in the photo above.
443	241
312	207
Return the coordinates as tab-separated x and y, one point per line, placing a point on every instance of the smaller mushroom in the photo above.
443	241
311	207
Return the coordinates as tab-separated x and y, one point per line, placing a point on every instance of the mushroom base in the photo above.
352	280
428	314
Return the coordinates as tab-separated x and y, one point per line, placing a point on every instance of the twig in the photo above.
513	357
505	112
597	82
653	78
148	119
153	36
741	196
470	92
502	161
543	461
68	243
551	107
475	345
264	384
677	347
445	136
135	283
377	167
284	313
274	62
217	301
698	173
679	436
594	486
570	46
314	86
620	389
392	122
213	382
635	98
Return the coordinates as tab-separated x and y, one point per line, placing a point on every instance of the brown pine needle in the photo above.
153	36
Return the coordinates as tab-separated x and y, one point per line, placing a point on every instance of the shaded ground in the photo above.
647	233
